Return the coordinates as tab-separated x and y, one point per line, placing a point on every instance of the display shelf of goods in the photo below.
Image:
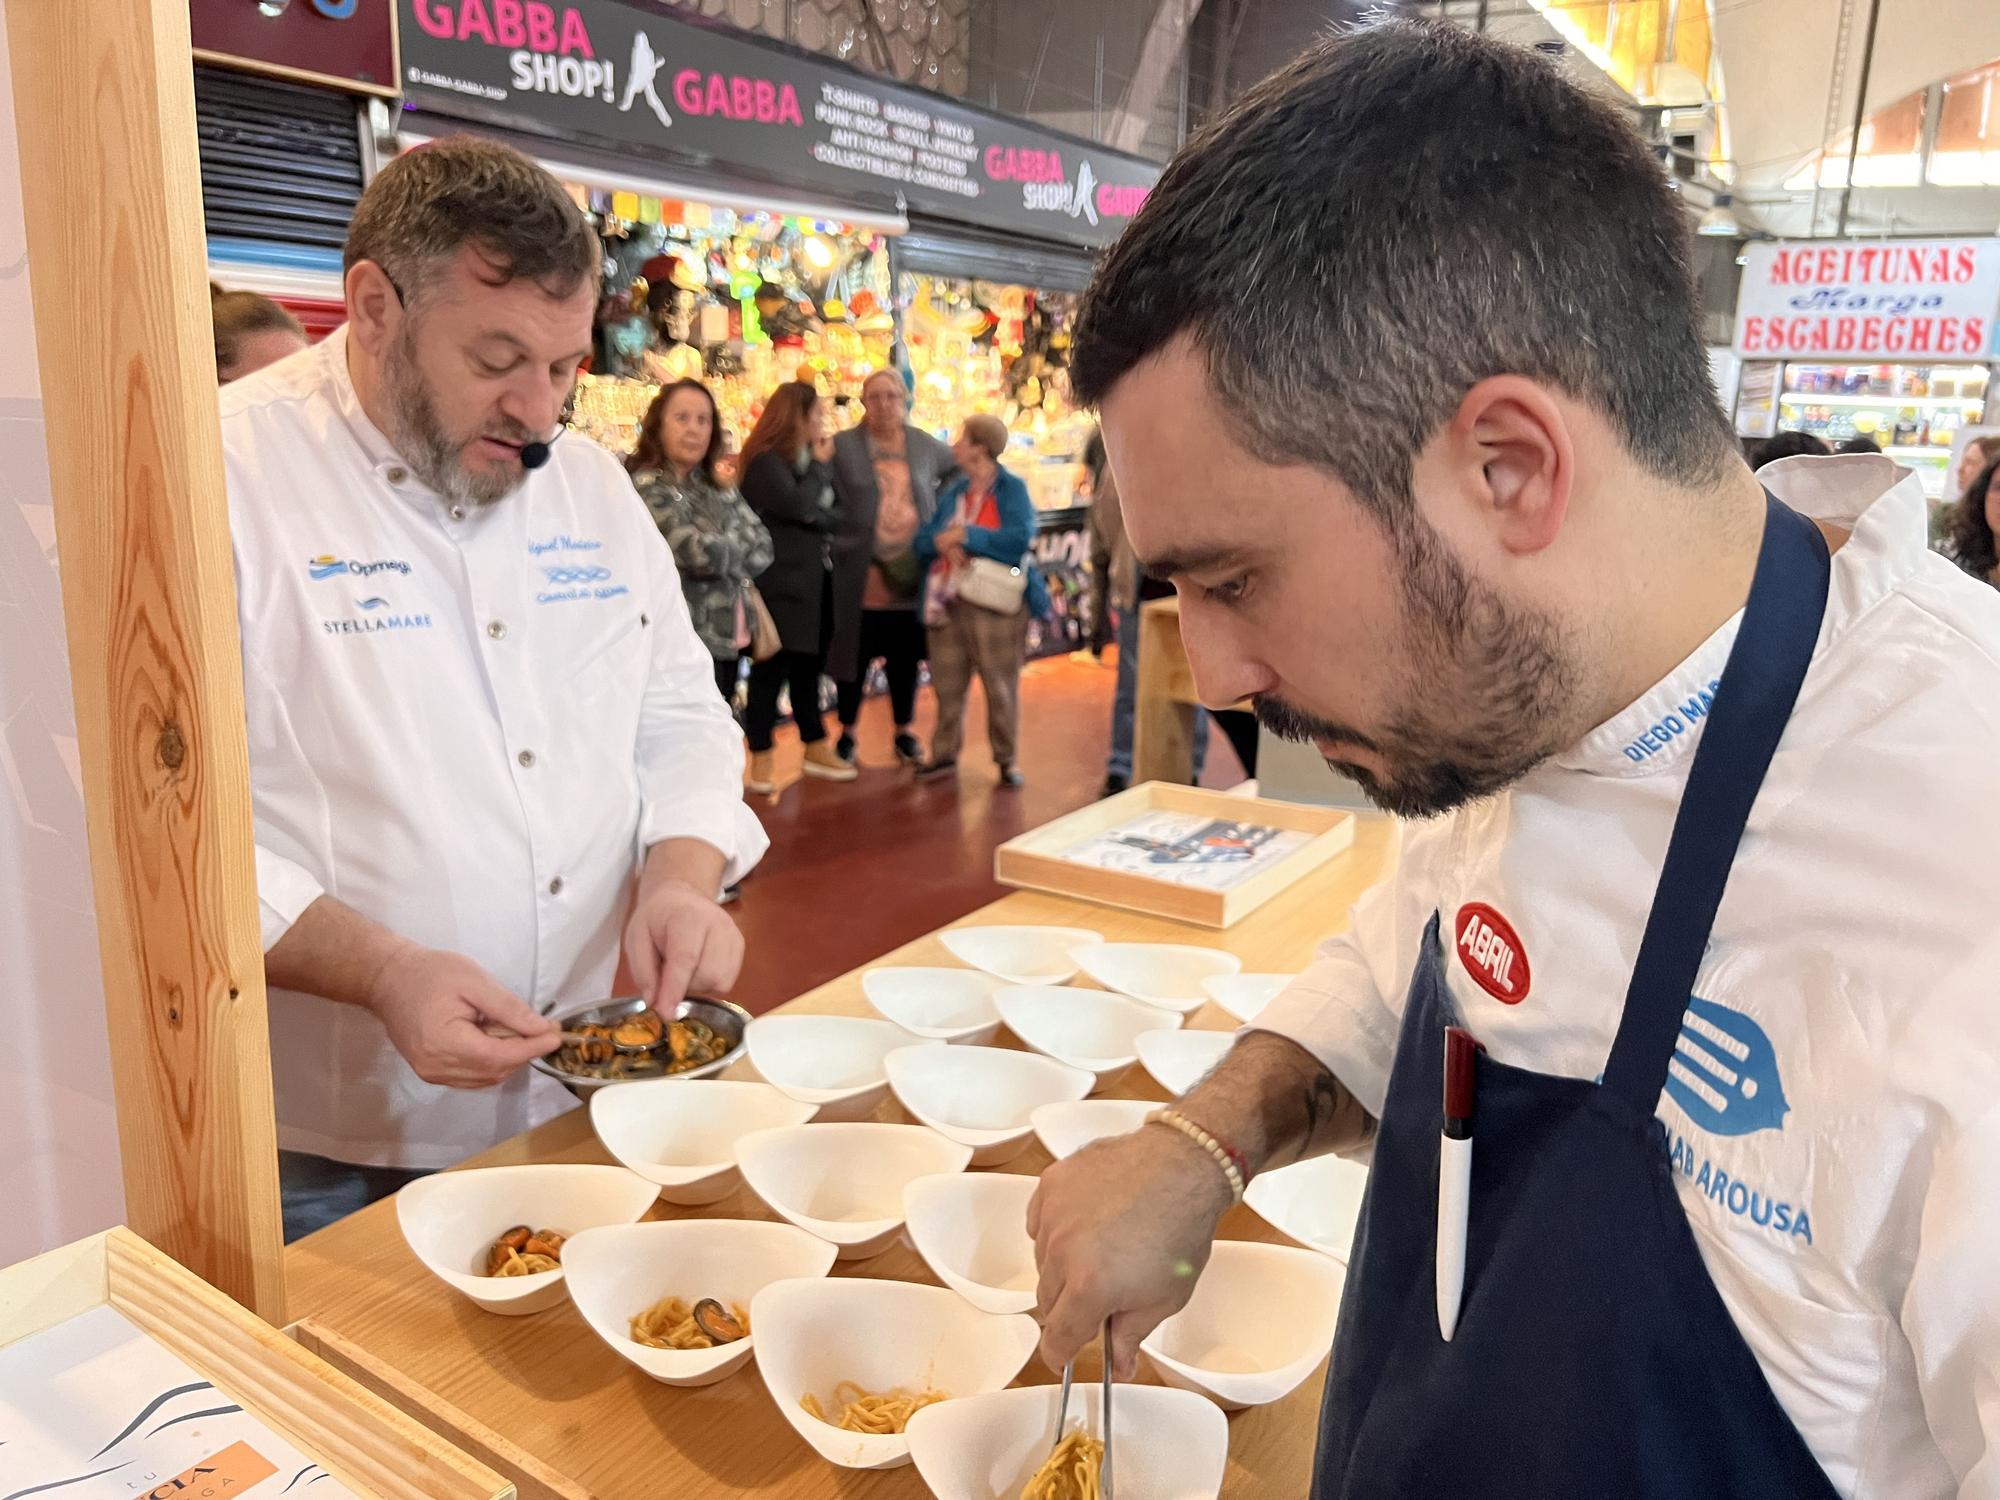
982	346
740	301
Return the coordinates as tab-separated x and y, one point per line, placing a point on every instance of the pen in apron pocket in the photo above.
1461	1054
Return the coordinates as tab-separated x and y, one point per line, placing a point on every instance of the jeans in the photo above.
316	1190
1125	705
897	636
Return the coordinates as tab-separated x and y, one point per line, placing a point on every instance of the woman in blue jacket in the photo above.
985	513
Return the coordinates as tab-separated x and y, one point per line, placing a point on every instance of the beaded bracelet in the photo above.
1230	1161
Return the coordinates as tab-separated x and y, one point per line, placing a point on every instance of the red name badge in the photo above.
1492	953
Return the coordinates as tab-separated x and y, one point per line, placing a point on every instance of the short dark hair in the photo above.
466	190
1402	212
237	315
1790	443
1859	444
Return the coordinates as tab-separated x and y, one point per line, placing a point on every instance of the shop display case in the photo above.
1913	412
742	301
986	346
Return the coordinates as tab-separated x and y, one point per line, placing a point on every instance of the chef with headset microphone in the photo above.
487	753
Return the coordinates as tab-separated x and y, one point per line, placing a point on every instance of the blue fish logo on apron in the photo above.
1724	1073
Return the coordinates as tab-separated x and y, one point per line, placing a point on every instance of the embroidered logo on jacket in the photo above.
1492	953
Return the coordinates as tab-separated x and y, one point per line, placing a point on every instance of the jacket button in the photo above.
397	476
555	886
497	629
458	512
526	758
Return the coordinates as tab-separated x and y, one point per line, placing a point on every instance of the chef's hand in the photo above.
1121	1231
437	1007
680	941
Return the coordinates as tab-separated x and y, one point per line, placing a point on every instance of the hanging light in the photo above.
273	8
819	254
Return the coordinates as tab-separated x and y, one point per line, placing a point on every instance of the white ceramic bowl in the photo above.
1166	1445
940	1005
812	1335
1169	975
1178	1059
1261	1319
1021	955
451	1218
1085	1029
972	1229
845	1183
833	1063
1244	996
1314	1202
982	1096
617	1272
681	1135
1065	1129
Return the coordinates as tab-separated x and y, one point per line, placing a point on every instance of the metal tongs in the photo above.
1062	1414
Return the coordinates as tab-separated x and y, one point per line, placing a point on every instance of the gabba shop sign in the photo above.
1916	301
550	51
631	75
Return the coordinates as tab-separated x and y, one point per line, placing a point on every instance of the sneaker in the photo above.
763	777
823	761
1114	784
1011	776
909	749
930	770
844	747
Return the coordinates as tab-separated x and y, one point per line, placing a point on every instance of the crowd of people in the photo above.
811	554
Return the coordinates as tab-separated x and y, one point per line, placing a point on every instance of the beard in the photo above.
434	455
1490	691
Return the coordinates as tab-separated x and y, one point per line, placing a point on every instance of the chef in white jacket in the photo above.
1401	375
485	742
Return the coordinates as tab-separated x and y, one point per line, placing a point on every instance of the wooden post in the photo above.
105	99
1164	716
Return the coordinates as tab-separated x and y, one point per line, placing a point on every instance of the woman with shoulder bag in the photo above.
978	595
718	543
788	481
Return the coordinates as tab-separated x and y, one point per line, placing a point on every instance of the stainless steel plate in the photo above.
725	1020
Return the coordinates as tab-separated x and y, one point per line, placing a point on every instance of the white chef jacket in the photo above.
466	723
1834	1110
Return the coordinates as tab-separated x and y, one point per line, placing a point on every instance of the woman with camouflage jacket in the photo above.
718	542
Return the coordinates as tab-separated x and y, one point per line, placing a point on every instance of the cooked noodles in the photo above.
866	1411
674	1324
517	1264
1071	1472
522	1251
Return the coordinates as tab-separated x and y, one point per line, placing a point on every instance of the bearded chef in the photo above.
1401	376
478	712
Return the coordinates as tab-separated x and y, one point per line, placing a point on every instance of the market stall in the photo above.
545	1401
1890	342
770	211
281	106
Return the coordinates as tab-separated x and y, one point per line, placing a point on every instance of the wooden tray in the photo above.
1037	860
362	1440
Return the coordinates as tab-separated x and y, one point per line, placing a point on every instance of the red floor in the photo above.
858	868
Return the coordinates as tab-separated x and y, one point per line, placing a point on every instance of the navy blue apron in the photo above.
1593	1356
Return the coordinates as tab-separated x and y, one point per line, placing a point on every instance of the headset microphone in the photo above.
535	454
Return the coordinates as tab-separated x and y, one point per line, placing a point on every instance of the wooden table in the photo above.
542	1399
